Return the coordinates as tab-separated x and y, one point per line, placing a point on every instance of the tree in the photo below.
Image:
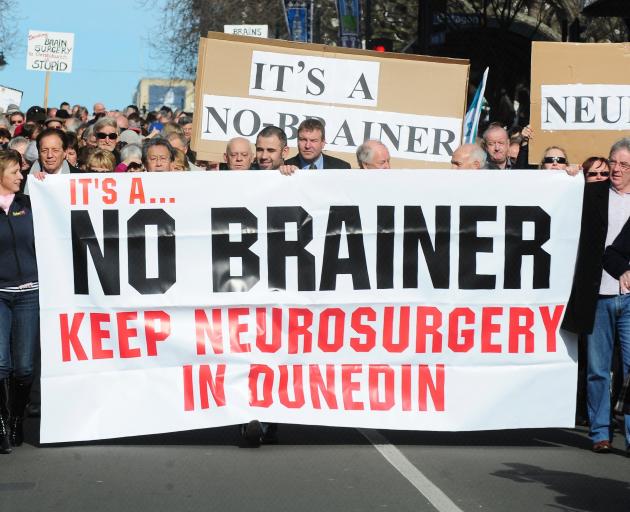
8	32
185	21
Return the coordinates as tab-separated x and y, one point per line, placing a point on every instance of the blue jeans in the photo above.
19	334
612	317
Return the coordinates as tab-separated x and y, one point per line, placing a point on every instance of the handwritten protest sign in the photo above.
50	51
413	104
175	301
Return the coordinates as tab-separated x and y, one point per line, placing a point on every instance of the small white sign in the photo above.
247	30
9	96
50	51
320	79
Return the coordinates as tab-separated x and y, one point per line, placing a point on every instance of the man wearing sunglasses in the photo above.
599	306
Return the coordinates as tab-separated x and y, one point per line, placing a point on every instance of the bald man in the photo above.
373	154
238	155
468	156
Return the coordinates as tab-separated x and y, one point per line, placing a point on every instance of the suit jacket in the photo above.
580	312
330	162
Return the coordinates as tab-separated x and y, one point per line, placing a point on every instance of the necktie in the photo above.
312	166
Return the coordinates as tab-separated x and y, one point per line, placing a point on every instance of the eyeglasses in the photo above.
110	136
605	174
625	166
554	160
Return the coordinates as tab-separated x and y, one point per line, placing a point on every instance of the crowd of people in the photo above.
68	139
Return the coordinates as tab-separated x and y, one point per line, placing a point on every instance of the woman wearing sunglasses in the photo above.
554	158
106	132
596	169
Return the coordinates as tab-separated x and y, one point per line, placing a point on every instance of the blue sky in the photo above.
112	51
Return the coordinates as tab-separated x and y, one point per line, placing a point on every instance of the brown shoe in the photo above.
601	447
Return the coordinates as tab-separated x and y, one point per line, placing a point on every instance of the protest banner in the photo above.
415	105
50	51
580	98
370	299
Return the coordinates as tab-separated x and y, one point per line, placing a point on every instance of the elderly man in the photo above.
496	142
373	154
468	156
180	142
599	305
99	110
158	155
238	155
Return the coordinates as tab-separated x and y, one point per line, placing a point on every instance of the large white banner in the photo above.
425	300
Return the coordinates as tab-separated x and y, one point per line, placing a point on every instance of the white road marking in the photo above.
395	457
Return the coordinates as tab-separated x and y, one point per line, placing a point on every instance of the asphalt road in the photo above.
319	469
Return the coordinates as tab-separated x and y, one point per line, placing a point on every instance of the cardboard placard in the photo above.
413	104
580	98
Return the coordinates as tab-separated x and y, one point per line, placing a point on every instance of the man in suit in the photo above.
596	307
311	136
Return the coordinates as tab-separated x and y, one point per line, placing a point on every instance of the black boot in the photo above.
5	444
20	395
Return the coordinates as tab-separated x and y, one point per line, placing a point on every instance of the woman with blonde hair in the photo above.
100	160
19	301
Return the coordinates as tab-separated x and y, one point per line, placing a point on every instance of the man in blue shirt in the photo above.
311	142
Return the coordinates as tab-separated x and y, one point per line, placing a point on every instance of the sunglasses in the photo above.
605	174
110	136
554	160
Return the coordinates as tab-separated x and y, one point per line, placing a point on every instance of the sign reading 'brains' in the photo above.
245	85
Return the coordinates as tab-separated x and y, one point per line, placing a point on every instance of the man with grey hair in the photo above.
72	124
496	142
20	144
468	156
180	142
373	154
238	155
599	305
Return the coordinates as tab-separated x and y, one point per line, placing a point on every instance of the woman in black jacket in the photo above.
19	300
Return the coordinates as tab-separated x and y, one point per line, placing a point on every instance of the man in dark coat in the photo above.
311	141
598	307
